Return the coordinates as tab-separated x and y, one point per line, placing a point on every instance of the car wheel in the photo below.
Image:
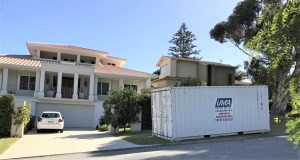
38	130
61	131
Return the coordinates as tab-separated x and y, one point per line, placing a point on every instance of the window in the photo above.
102	88
50	115
27	83
229	80
134	87
111	64
164	69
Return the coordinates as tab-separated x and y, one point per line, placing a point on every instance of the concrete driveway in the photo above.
71	141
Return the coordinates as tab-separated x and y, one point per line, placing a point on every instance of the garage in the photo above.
75	116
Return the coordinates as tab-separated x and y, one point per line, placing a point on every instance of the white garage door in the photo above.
75	115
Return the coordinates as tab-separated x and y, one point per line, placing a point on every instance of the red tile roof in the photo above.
112	70
20	60
29	61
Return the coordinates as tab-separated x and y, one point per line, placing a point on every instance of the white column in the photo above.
75	86
4	81
95	87
121	84
37	82
59	79
97	60
38	54
91	95
42	83
0	82
58	56
78	58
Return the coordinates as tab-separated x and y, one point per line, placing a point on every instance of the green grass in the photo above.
277	125
277	128
5	143
126	130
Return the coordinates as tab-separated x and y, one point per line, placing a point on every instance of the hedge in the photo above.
145	102
7	103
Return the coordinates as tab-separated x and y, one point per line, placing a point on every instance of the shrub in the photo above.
22	115
293	125
103	128
145	103
7	103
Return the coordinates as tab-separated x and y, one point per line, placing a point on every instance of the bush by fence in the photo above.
145	103
7	103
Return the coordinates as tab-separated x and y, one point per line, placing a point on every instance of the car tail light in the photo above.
60	120
40	119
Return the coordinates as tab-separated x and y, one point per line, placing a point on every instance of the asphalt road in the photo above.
270	148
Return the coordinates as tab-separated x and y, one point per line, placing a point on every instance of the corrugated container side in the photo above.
161	113
195	112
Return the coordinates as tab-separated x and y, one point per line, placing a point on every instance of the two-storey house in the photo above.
174	70
72	80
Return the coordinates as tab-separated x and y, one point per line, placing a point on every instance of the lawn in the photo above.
5	143
277	128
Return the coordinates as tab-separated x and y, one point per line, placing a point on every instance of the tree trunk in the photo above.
280	94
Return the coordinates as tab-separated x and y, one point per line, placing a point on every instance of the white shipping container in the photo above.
189	112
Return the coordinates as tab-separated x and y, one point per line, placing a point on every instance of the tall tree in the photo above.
183	41
269	32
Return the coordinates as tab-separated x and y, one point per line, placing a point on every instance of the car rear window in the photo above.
50	115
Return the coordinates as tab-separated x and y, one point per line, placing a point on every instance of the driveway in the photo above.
71	141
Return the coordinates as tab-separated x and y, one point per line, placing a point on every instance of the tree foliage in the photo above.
157	71
121	108
239	75
183	44
293	125
267	31
190	82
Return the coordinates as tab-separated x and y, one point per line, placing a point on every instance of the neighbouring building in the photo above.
72	80
174	70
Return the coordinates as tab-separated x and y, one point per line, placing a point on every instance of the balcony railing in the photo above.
13	89
67	92
102	97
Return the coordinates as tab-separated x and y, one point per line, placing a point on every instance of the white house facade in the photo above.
72	80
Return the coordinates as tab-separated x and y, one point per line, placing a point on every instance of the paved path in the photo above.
271	148
71	141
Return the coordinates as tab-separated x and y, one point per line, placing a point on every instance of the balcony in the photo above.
66	85
12	88
66	92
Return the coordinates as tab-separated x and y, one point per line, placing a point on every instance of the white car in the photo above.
50	120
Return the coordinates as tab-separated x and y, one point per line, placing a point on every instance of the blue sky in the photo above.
137	30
